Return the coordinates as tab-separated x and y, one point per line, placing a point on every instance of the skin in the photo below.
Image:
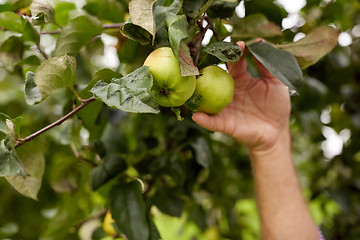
170	88
258	117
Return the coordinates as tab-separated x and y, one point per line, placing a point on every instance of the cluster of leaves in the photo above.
134	163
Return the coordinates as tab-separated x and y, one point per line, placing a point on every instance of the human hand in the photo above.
259	112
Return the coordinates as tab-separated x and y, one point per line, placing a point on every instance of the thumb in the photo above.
211	123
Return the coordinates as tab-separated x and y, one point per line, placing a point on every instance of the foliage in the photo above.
75	72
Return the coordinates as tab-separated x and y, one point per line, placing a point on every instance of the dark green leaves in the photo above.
130	93
76	34
128	209
54	73
280	63
225	51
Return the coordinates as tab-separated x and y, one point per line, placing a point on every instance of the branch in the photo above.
105	26
84	103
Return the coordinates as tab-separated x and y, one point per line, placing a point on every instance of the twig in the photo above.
41	51
79	156
105	26
96	216
211	26
83	104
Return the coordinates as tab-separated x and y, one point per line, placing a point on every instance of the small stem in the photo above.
41	51
79	156
83	104
211	26
105	26
96	216
205	8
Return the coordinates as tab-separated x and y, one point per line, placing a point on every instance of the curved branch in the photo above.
105	26
83	104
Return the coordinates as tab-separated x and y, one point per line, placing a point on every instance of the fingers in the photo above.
239	68
209	122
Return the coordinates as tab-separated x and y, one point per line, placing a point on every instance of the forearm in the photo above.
283	212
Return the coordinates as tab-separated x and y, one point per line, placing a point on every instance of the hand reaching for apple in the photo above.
259	111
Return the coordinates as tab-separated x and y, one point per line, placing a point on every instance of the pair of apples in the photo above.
214	87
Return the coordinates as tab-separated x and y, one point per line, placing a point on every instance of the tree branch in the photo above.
105	26
84	103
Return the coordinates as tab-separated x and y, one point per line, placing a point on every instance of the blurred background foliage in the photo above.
200	182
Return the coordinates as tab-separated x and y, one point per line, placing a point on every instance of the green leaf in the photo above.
37	8
3	126
109	169
280	63
225	51
178	30
33	161
254	26
9	161
11	52
315	45
131	93
62	10
55	73
192	8
222	8
30	33
141	14
32	60
111	10
76	34
202	152
187	65
128	209
135	33
169	201
11	21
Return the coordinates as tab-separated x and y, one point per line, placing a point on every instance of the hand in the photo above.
259	112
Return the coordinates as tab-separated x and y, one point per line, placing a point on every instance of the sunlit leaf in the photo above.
62	10
34	164
111	10
280	63
141	14
128	209
54	73
76	34
225	51
315	45
131	93
30	33
11	21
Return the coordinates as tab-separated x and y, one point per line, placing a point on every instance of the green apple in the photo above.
214	88
169	87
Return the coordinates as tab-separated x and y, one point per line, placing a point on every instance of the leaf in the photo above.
225	51
253	26
11	52
33	161
30	33
37	8
3	126
11	21
192	7
222	8
315	45
9	161
178	30
202	152
62	10
76	34
187	65
141	14
109	169
280	63
54	73
131	93
128	209
169	201
111	10
135	33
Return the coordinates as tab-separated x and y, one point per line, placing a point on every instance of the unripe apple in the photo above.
107	224
215	87
169	87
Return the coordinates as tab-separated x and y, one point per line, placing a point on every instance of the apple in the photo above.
107	224
214	88
169	87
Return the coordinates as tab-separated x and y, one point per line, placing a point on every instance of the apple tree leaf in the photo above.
11	21
52	74
128	209
9	161
315	45
191	8
33	162
135	32
141	14
111	10
11	51
131	93
62	10
42	10
253	26
225	51
280	63
187	65
3	126
30	33
222	8
76	34
32	92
